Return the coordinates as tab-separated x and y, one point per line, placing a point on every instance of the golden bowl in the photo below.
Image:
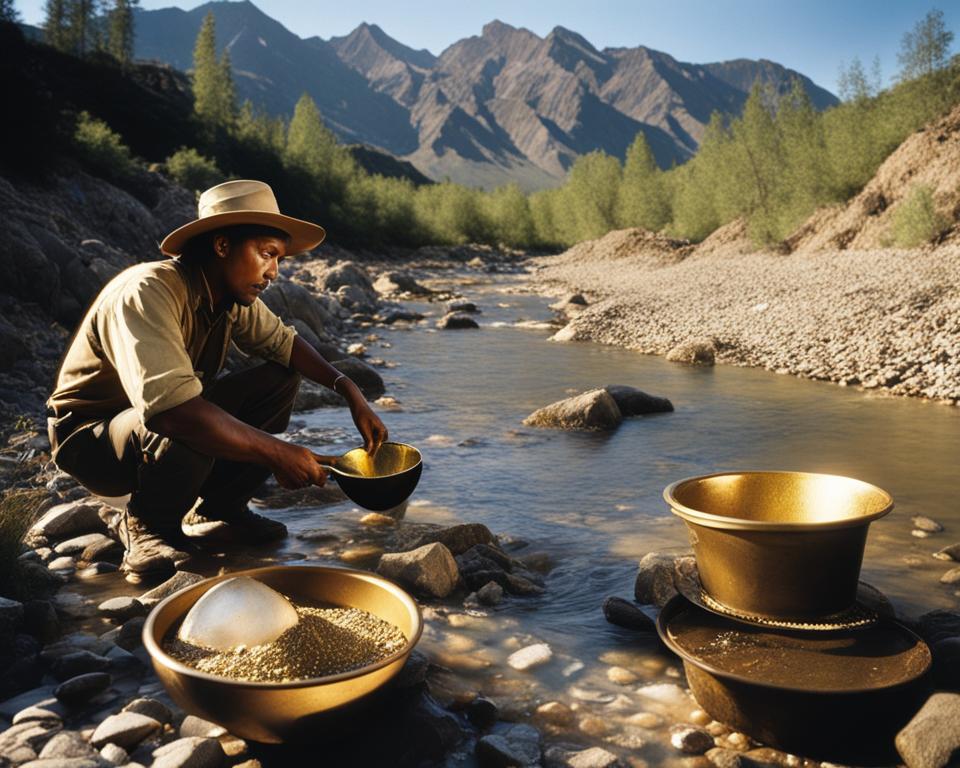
781	545
279	712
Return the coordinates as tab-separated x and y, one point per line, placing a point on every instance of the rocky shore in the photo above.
886	320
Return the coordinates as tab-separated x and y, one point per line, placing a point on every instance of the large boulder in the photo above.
634	402
356	299
696	352
345	273
363	375
457	538
292	301
65	520
395	282
430	569
456	321
595	410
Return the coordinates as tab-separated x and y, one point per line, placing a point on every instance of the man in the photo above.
138	408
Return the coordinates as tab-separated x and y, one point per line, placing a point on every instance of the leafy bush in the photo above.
916	220
103	149
192	170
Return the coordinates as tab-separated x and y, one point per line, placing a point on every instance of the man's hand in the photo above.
296	467
371	429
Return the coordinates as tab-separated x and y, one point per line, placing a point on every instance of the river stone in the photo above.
530	656
457	538
555	713
193	726
49	710
594	757
345	273
130	635
482	712
949	553
623	613
401	316
456	321
357	299
237	611
462	305
115	755
190	752
595	410
634	402
62	564
125	729
951	577
81	688
122	608
78	663
78	544
178	581
430	568
67	744
517	745
690	740
655	579
924	523
699	352
152	708
105	548
69	519
939	625
725	758
665	693
311	395
393	282
931	738
490	593
364	376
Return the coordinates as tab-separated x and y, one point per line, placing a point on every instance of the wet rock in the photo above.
393	282
765	757
875	600
699	352
949	553
103	549
516	745
690	740
665	693
78	544
414	671
122	608
401	316
621	676
951	577
362	554
15	704
462	305
593	726
923	523
434	730
151	708
939	625
593	410
490	593
555	713
531	656
593	757
178	581
634	402
345	273
946	663
725	758
357	299
40	577
125	729
49	711
930	739
131	634
482	712
64	564
456	321
67	744
376	520
364	376
430	568
646	720
191	752
81	688
69	519
623	613
312	395
78	663
655	579
457	538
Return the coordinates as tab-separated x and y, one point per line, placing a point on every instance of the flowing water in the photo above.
591	503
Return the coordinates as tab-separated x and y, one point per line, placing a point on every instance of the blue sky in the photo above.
812	36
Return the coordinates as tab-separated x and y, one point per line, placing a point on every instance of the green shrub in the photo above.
102	149
192	170
18	511
916	220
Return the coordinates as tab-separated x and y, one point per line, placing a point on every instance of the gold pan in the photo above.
782	545
279	712
379	482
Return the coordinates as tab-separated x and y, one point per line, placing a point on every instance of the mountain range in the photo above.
505	105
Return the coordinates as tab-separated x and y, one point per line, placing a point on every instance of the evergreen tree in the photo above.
310	144
213	95
81	17
56	24
8	12
643	201
120	30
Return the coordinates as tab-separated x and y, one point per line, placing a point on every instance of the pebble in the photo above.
67	744
699	717
572	668
531	656
594	757
191	752
151	708
949	553
555	713
361	554
919	534
197	726
930	738
593	726
667	693
625	614
621	676
114	754
517	745
375	519
725	758
924	523
690	740
122	608
79	689
126	729
178	581
78	663
490	593
628	739
482	712
951	577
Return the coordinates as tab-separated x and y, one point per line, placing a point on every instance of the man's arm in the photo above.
209	429
308	362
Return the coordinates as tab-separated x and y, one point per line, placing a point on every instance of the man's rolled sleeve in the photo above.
142	339
258	331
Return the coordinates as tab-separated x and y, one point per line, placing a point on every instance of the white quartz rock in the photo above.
238	611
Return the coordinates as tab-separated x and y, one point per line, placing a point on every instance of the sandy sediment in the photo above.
882	319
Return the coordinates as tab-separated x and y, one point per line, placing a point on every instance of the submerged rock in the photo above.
625	614
634	402
462	305
456	320
531	656
593	410
516	745
691	740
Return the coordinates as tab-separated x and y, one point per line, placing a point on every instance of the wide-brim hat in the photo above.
243	202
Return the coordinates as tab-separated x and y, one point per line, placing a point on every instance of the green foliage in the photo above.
507	211
56	24
102	149
916	220
257	127
925	48
18	511
120	30
643	200
8	12
213	92
192	170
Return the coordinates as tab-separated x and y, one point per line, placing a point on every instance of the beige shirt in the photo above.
151	341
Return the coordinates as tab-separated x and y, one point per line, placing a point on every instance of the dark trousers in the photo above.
165	477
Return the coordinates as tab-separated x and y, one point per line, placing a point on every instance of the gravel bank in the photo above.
880	319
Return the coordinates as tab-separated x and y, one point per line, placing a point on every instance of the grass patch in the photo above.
18	511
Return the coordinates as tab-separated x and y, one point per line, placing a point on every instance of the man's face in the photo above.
250	265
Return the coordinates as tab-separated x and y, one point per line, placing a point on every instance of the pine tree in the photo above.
310	144
120	30
81	18
213	99
643	201
8	12
56	24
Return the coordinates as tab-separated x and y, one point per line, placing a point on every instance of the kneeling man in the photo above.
138	408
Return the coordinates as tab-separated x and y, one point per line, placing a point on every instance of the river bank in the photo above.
885	320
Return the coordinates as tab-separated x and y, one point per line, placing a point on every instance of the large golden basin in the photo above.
779	545
278	712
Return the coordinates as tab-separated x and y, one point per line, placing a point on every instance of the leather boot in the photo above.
150	549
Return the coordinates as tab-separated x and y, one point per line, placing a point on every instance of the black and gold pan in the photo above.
379	482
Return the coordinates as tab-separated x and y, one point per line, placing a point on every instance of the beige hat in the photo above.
243	202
